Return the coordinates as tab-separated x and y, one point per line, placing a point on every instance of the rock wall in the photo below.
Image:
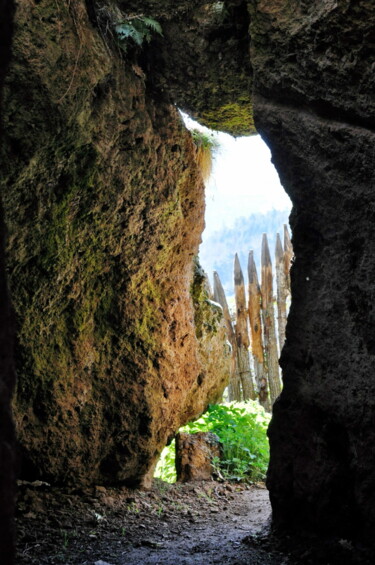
214	348
314	105
104	207
204	65
7	373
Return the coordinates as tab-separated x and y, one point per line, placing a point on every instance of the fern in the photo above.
153	25
126	31
138	29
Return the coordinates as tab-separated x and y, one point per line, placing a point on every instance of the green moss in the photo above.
235	118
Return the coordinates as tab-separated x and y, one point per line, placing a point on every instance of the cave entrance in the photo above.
247	250
246	211
220	460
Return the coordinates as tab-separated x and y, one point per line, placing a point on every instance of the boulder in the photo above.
194	455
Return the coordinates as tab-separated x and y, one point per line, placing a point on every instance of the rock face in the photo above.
314	105
214	350
104	207
7	373
204	65
194	456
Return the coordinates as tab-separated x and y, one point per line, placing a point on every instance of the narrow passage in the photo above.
181	524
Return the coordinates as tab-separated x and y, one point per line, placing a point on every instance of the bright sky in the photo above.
243	182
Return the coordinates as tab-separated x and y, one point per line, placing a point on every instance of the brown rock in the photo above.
104	205
194	455
7	372
315	107
213	347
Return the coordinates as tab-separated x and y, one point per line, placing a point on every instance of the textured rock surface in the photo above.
204	65
104	206
194	455
213	347
201	63
7	373
313	72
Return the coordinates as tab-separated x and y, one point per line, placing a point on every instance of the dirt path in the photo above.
196	523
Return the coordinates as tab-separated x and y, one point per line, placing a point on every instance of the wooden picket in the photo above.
234	387
282	290
242	333
255	323
269	330
255	309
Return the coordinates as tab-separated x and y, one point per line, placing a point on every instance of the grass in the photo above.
242	430
206	145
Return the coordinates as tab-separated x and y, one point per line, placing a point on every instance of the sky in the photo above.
243	182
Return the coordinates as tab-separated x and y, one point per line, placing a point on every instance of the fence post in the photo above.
242	333
282	290
234	387
255	304
270	344
288	255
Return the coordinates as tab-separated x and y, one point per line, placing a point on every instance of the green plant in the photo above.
65	537
165	468
242	430
132	508
136	30
159	510
204	139
206	145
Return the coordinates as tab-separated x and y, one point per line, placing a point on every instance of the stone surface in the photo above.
7	373
104	206
194	455
204	65
314	105
201	63
214	350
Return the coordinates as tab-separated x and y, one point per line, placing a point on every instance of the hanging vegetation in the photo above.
136	30
206	145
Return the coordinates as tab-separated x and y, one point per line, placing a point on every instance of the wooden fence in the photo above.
254	335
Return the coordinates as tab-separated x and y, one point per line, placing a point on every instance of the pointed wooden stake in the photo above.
242	333
255	302
288	256
234	386
282	291
270	344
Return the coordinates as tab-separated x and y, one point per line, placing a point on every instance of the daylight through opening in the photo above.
246	233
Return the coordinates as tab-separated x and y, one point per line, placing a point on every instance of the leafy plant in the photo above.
204	139
136	30
242	430
166	467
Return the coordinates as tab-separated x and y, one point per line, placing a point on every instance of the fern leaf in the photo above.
138	36
152	24
123	30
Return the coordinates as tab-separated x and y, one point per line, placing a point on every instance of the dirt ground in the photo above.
181	524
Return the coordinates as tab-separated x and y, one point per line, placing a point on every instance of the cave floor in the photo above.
182	524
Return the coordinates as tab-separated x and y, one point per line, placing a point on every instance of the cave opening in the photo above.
102	205
244	202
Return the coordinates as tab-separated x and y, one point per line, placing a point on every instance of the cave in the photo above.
103	205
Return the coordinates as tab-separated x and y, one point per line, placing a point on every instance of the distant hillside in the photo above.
217	251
